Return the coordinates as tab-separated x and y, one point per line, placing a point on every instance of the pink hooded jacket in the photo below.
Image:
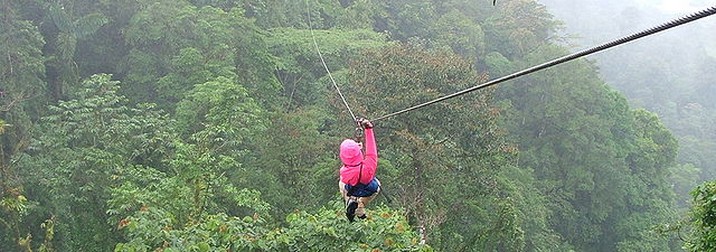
352	159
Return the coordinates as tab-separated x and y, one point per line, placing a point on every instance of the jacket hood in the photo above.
351	154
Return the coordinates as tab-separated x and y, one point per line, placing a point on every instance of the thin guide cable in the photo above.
325	66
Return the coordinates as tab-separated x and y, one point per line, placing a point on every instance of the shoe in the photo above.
362	217
360	211
351	207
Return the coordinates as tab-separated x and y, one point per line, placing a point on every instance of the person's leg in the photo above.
342	189
363	202
351	202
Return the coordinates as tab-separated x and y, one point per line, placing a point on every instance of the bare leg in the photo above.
363	202
342	188
351	202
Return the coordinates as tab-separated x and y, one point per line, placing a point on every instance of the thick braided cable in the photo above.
674	23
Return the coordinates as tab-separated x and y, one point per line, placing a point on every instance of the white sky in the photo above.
680	6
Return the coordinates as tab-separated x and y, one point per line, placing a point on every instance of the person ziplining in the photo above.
358	184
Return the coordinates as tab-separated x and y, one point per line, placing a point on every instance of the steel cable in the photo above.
668	25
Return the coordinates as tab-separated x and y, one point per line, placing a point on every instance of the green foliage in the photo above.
586	147
179	45
410	19
22	69
676	83
328	230
460	33
245	158
359	15
84	142
298	66
703	218
685	178
275	13
522	194
152	230
79	28
294	159
49	227
22	85
220	115
179	210
446	167
650	201
70	28
498	64
519	27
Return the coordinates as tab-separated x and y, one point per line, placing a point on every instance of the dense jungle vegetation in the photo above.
212	125
671	76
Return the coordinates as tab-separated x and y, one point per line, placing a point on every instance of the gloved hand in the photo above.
365	123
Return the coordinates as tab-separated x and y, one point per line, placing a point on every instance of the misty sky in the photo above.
680	6
603	21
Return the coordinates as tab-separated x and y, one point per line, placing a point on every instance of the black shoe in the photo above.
362	217
351	209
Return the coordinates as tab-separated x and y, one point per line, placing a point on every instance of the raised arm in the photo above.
370	161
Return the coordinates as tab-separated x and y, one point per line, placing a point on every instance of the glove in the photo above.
365	123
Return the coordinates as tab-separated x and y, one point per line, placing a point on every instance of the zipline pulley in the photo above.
359	131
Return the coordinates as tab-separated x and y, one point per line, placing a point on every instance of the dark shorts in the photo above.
362	190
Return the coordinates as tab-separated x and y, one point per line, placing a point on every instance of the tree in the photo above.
299	68
518	28
69	28
327	230
446	156
244	158
294	163
675	83
650	198
702	218
185	208
175	46
457	31
22	74
83	144
587	148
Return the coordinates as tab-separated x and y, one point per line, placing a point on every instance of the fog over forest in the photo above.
671	73
215	125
